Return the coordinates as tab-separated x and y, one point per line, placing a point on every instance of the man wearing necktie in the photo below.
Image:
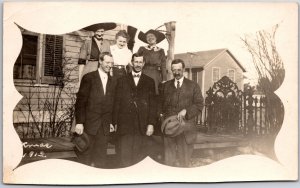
182	97
93	111
134	113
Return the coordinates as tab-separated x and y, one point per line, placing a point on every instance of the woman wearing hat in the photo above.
90	50
155	58
121	54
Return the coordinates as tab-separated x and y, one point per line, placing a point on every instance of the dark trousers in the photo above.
177	151
156	148
96	154
133	148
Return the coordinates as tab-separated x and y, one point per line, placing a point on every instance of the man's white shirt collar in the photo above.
136	79
102	73
103	77
137	73
180	81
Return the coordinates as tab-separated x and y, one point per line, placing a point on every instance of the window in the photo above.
231	74
25	66
40	59
215	74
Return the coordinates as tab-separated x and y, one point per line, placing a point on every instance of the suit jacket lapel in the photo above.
183	86
109	85
99	84
141	80
108	81
172	83
172	86
131	81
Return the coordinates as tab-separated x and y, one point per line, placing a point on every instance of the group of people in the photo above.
127	95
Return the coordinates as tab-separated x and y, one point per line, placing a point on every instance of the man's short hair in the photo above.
136	55
177	61
101	56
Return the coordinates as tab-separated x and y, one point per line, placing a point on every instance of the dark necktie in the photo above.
136	76
178	84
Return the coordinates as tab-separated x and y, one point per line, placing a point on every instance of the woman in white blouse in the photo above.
121	54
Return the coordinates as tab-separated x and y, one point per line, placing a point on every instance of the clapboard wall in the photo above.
37	95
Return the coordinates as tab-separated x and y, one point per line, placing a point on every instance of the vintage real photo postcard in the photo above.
117	93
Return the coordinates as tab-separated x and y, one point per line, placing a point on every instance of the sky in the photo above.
215	27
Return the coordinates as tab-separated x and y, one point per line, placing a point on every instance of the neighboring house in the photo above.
207	67
46	74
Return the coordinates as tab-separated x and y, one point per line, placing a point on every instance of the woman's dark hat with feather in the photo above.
159	36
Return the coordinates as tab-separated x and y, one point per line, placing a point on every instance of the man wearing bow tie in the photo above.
93	111
134	113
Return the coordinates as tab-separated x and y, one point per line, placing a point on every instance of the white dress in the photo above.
121	56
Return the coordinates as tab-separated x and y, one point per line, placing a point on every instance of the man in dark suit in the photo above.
181	97
134	113
93	111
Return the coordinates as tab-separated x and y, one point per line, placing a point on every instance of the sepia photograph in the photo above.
149	92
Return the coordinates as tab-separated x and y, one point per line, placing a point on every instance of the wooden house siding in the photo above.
223	62
36	95
74	40
205	61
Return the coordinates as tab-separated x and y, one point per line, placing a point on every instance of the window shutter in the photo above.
53	59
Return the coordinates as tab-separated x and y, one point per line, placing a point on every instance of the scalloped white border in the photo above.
59	18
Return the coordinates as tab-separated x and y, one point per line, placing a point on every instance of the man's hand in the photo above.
116	126
181	115
79	129
150	130
111	128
